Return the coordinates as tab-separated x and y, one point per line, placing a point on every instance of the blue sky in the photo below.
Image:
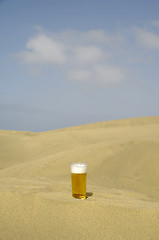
66	63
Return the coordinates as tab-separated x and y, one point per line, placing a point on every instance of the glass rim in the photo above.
78	163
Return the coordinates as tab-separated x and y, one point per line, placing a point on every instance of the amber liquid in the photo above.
79	185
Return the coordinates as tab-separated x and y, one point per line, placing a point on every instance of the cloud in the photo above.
95	56
84	56
80	75
146	38
43	50
88	54
109	74
67	47
99	74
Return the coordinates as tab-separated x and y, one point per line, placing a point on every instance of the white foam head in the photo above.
78	167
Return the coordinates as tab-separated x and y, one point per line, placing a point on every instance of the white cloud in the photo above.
70	46
95	56
74	37
80	75
43	49
109	74
88	54
99	74
147	38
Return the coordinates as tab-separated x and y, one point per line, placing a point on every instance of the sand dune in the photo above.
123	176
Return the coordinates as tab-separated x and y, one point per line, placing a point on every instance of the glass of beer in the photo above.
78	180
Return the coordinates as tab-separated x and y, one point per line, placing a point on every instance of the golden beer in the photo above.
78	180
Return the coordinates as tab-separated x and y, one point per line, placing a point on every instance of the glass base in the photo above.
79	196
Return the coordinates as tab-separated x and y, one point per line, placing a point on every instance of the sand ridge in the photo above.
123	166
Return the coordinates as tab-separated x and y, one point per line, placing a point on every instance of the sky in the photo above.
67	63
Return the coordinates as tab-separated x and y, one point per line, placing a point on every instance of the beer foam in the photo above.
78	167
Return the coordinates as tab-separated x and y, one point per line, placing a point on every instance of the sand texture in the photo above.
122	186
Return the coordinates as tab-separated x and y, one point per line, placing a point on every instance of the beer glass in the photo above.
78	180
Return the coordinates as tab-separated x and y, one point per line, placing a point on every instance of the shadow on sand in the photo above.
89	194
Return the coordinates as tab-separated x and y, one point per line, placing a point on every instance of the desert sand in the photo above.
122	183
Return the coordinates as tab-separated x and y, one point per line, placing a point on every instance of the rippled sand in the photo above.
122	187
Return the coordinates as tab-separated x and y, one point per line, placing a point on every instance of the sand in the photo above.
122	186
